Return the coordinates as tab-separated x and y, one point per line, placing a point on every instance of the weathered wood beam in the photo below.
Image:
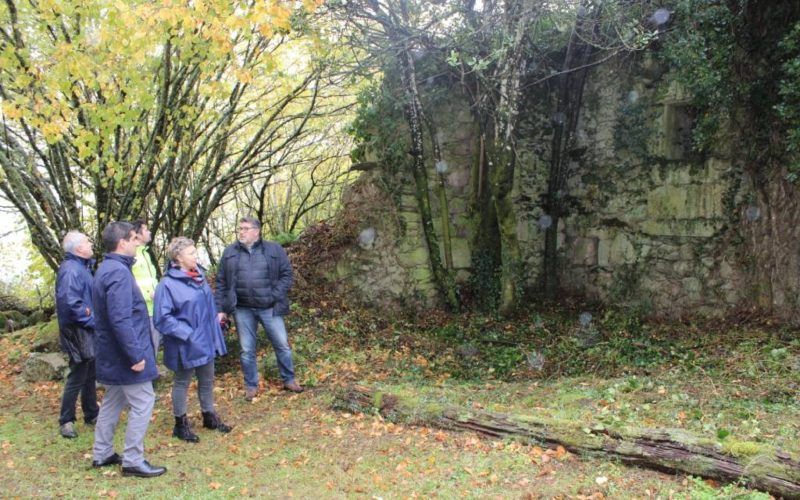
668	450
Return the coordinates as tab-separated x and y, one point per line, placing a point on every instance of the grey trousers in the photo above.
140	399
205	388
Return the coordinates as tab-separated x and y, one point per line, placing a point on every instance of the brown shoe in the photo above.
292	386
250	393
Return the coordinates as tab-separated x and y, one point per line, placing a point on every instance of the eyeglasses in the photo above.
245	228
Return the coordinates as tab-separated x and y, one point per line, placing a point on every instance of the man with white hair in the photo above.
76	330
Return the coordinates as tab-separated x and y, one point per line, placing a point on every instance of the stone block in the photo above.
717	167
462	276
463	147
416	258
46	338
408	202
656	228
462	254
457	206
706	200
677	176
621	250
692	227
681	268
686	253
666	202
40	367
692	286
603	252
523	230
422	280
685	202
725	271
458	179
584	251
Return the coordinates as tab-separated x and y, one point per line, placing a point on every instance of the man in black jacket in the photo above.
253	281
75	325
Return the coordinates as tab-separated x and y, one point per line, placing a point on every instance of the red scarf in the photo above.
195	275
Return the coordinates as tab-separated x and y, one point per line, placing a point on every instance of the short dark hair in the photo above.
137	225
252	221
114	233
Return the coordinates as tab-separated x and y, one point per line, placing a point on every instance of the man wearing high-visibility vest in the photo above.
144	272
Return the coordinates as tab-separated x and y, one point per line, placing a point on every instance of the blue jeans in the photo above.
247	325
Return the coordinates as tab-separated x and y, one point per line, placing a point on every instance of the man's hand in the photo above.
222	317
138	366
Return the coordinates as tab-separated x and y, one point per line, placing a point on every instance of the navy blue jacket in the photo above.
184	312
259	278
122	325
74	307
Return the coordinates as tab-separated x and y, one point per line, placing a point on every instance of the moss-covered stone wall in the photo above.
648	214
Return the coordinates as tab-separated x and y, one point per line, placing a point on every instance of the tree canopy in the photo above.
117	110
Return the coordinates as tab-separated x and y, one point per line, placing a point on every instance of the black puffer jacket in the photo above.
259	278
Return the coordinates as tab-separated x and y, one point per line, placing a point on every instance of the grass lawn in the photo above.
739	387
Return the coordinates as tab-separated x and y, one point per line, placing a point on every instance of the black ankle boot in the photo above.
212	421
183	431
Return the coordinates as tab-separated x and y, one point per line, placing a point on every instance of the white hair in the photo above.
71	241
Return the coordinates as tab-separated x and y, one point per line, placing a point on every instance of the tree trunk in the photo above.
668	450
565	122
501	189
486	253
414	117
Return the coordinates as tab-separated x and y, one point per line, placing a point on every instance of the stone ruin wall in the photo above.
647	225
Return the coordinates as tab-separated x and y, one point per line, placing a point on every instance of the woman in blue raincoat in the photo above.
185	314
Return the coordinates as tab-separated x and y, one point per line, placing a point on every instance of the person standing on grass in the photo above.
253	281
126	360
144	272
186	316
76	330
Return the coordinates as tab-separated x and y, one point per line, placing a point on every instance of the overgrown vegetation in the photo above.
735	384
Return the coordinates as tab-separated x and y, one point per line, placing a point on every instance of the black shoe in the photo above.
144	470
212	421
91	421
183	431
114	459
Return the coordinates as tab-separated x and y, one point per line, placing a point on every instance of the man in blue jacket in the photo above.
253	281
75	327
126	361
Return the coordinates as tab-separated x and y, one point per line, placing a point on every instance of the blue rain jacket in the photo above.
122	325
74	307
185	314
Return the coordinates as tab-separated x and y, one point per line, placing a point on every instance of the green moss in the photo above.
745	448
16	316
